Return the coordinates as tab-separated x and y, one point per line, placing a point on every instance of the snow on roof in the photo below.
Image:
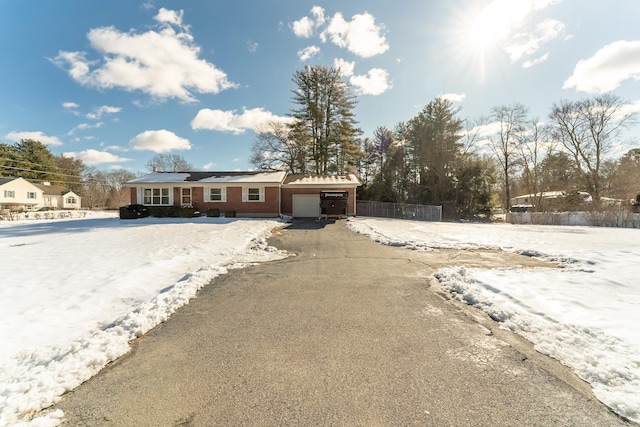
307	180
209	177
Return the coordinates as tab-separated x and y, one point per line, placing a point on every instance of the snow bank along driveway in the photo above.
74	292
586	314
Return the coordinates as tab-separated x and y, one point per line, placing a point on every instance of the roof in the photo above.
53	190
209	177
349	180
4	180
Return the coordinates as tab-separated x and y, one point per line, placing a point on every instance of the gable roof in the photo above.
210	177
4	180
349	180
53	190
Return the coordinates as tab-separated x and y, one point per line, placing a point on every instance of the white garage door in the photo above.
306	205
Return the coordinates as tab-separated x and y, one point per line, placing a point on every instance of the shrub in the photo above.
213	212
133	212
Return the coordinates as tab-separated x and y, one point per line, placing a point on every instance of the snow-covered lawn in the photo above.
586	314
74	292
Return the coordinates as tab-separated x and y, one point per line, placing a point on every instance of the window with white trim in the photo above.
155	196
9	194
217	194
253	194
71	200
31	195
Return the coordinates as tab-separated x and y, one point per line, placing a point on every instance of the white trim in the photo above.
245	194
223	194
144	202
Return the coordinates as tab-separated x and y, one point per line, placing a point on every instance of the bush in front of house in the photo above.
134	212
173	211
141	211
213	212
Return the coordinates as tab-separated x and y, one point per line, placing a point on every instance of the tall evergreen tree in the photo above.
434	137
35	161
324	119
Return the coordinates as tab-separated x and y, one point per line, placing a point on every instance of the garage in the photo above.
306	205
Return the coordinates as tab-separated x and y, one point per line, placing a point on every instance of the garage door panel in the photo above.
306	205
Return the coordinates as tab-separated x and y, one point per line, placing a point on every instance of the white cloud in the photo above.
607	69
208	166
308	53
360	36
159	141
167	16
305	26
454	97
34	135
85	126
115	148
69	105
105	109
94	157
525	45
486	130
375	82
345	67
252	46
505	22
530	63
164	64
229	121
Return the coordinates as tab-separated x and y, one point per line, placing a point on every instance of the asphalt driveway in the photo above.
346	333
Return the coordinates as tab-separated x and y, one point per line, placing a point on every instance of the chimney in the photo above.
155	169
47	183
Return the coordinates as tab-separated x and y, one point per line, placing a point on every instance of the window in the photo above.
253	194
31	195
9	194
156	196
71	200
217	195
186	197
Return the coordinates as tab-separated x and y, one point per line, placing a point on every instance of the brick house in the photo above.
248	194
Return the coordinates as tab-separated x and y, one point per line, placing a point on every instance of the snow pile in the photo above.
587	314
75	292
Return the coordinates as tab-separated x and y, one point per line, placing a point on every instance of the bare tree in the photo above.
169	163
510	120
588	130
276	149
532	148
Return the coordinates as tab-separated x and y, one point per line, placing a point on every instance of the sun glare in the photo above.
494	23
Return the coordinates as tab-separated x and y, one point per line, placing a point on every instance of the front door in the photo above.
186	197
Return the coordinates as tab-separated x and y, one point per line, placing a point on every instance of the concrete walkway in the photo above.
346	333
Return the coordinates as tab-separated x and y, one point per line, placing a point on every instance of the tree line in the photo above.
439	158
33	161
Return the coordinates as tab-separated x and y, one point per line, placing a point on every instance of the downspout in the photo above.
280	198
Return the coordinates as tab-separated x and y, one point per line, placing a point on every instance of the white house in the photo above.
58	197
19	194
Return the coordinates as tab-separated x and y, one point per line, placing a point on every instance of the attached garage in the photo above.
301	195
306	205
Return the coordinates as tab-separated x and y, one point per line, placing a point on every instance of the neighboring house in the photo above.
248	194
549	200
18	194
58	197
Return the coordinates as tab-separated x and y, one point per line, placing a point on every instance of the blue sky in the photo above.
115	82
